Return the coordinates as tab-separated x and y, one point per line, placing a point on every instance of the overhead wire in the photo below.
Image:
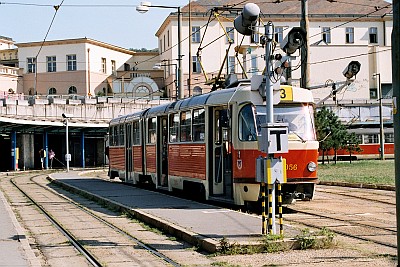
206	25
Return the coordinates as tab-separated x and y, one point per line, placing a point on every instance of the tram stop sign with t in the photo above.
274	138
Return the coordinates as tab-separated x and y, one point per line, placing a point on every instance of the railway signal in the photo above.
274	137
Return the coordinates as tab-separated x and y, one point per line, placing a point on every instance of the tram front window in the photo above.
247	128
300	120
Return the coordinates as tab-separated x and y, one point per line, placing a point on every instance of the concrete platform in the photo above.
200	224
14	247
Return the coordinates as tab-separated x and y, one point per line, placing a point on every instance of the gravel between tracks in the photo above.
346	252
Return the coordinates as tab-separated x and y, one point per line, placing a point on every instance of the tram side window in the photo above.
121	139
199	125
111	132
359	138
136	133
173	127
247	126
371	139
186	123
151	139
389	138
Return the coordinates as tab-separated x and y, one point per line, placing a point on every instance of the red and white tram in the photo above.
207	144
369	142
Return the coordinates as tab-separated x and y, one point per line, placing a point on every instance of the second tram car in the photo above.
207	144
368	142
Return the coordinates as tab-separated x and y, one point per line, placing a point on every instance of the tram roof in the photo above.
127	118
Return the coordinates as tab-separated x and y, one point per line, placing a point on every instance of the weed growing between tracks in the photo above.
275	243
315	240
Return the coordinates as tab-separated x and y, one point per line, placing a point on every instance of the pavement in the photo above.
14	247
200	224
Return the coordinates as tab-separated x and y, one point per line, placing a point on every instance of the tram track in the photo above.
371	192
355	214
344	233
357	225
48	201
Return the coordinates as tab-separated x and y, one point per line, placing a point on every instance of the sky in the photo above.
118	23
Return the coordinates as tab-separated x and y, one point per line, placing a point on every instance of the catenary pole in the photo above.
396	115
305	49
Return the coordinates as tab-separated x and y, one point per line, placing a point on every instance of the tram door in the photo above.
162	152
128	152
222	165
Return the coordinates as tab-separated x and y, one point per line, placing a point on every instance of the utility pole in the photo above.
305	50
396	115
190	50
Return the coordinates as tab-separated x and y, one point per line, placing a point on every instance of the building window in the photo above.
231	64
113	67
52	91
326	34
51	64
231	35
255	37
142	92
349	35
164	42
196	64
373	93
254	67
31	68
373	35
195	34
160	41
168	36
103	65
71	62
278	34
72	90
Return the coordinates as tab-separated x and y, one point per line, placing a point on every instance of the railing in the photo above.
8	70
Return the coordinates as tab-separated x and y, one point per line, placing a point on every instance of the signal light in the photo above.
293	40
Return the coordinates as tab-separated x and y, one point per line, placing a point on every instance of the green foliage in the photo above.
361	171
315	240
272	244
332	134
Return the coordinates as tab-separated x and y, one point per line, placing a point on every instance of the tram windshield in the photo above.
299	118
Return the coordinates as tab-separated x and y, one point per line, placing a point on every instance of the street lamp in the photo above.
381	133
67	155
158	67
143	8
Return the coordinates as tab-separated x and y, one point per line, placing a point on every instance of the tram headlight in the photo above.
312	166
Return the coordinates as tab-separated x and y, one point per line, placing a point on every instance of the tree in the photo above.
332	134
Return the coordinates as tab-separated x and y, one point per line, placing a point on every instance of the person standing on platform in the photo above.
51	157
42	154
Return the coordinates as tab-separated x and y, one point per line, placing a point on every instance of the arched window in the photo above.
52	91
142	92
72	90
